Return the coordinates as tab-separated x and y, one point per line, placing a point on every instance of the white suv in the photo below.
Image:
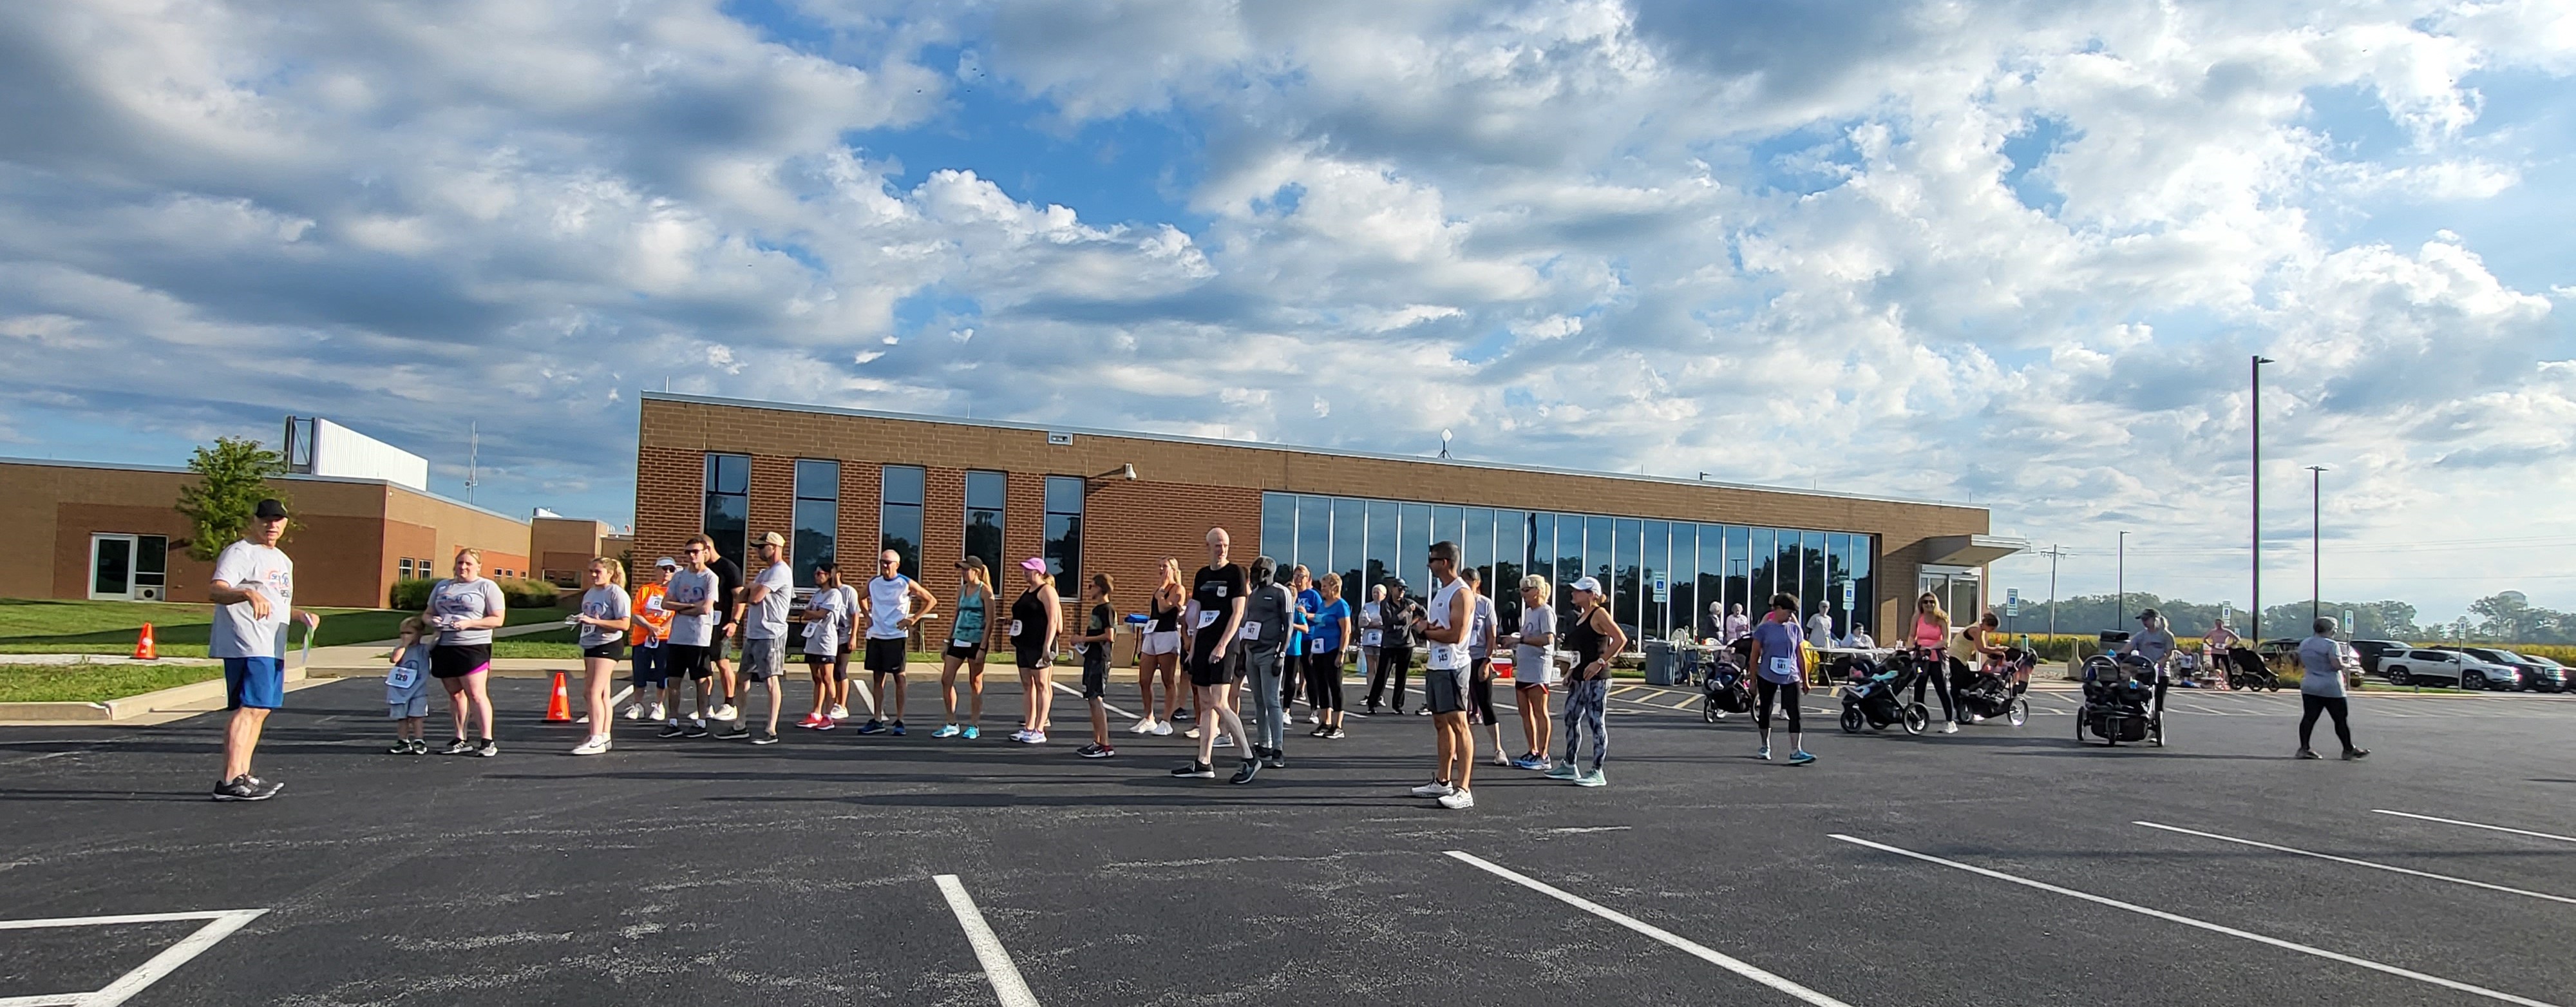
2445	667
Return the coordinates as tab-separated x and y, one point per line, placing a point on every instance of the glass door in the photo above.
111	567
1960	591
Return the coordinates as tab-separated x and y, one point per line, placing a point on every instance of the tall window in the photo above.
818	517
1064	533
727	518
985	495
899	514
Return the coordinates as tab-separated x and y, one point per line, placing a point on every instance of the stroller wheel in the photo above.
1708	709
1851	720
1917	718
2018	712
2156	730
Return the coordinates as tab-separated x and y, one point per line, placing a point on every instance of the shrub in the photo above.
412	594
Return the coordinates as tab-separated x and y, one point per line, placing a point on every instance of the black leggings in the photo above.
1480	692
1937	675
1291	681
1766	691
1391	661
2310	706
1324	680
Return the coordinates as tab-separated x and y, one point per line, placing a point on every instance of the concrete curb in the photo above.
192	698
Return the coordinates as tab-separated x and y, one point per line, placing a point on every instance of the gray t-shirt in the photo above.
2321	667
1480	637
607	601
1266	614
264	570
2153	644
689	587
1529	663
465	599
766	619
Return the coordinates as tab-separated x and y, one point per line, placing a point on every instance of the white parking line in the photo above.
1007	985
2359	863
2304	949
219	924
2474	825
1695	949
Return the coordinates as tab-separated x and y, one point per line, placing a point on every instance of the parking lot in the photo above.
1996	866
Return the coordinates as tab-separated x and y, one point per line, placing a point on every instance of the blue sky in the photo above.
2002	254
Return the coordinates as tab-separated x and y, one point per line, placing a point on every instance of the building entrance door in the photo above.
111	567
1960	588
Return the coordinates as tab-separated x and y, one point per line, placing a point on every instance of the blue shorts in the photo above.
255	682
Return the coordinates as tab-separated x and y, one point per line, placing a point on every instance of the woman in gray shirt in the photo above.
465	608
2322	666
605	614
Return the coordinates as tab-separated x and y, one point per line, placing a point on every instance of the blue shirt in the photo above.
1778	640
1327	637
1308	601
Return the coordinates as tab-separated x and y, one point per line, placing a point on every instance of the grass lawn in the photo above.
49	626
77	683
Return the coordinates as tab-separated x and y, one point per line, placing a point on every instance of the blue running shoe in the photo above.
1763	753
873	726
1800	758
897	728
972	732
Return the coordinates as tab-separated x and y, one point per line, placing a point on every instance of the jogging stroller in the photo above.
2245	670
1996	692
1724	689
2123	698
1874	698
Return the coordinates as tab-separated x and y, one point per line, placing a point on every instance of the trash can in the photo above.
1661	669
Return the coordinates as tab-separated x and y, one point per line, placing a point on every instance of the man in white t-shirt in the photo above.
253	589
764	632
1820	628
889	605
691	597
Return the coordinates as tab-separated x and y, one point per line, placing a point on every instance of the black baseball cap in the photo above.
270	510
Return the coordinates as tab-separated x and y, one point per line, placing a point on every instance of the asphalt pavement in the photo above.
2000	865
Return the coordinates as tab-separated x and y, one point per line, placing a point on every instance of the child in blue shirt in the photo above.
407	689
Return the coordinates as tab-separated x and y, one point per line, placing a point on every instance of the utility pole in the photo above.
2316	542
2123	582
2054	551
2254	410
473	453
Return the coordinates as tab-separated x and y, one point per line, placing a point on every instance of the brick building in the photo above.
936	488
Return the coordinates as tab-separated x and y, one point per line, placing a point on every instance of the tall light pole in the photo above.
2254	410
2316	542
2123	582
2054	551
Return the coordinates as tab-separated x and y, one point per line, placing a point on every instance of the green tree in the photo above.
232	478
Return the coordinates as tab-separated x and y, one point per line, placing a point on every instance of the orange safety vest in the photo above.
651	622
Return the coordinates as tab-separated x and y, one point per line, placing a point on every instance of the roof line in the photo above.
880	414
282	476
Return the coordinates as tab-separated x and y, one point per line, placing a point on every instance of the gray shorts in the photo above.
763	659
416	706
1444	690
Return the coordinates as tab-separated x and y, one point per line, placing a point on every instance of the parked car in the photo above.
2437	666
2530	674
2281	655
2370	651
2566	675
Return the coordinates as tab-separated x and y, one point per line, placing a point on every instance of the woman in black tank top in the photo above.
1586	642
1036	621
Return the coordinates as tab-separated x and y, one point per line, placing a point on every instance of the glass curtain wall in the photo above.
1369	541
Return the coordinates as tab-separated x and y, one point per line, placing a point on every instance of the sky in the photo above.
2010	254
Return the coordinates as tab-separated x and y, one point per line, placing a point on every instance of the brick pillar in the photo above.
773	508
670	484
943	524
858	542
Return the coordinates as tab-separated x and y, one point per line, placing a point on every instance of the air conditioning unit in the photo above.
147	593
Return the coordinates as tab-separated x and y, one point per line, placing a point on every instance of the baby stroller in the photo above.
2245	670
2123	700
1873	698
1991	692
1724	690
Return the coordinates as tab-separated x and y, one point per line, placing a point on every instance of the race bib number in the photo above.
403	676
1371	638
1220	589
1015	628
1251	631
653	604
1784	667
1206	619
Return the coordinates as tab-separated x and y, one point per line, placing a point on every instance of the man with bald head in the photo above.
1213	617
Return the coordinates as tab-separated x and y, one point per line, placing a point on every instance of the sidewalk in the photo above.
359	660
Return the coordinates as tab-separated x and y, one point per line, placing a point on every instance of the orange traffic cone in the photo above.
143	649
559	708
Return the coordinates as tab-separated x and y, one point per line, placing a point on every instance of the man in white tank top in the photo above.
891	615
1444	626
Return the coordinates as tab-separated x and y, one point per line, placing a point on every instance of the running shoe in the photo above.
732	732
634	711
670	730
488	748
696	729
1162	728
2306	753
827	724
1192	733
1500	759
896	728
1224	741
2351	754
1424	711
1196	771
1950	728
838	712
402	746
1035	738
947	731
1763	753
1020	735
1337	733
1276	759
971	732
1593	778
1800	758
591	746
1095	751
765	738
1564	772
459	746
1530	761
1319	731
811	721
872	726
1183	715
1459	801
246	788
1434	788
725	711
1145	726
1251	768
657	713
419	746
